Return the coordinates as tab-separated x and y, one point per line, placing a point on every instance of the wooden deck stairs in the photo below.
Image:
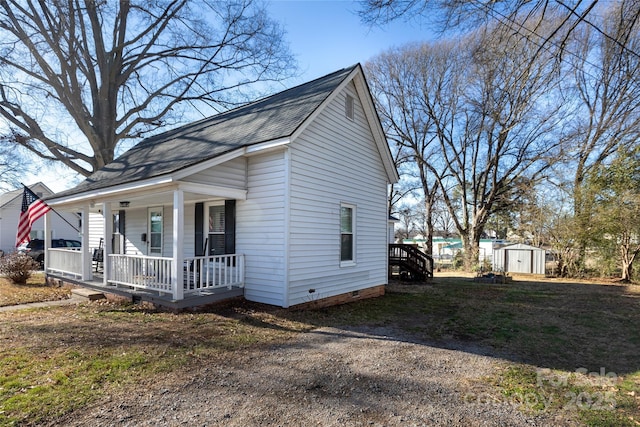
409	262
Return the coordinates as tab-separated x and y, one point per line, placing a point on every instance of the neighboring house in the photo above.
445	249
10	205
391	233
283	200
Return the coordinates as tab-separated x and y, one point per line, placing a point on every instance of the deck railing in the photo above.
411	261
65	261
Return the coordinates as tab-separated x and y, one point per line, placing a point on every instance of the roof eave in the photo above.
106	192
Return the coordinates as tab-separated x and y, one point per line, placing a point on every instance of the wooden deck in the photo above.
410	262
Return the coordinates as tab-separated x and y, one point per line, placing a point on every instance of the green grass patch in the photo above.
559	341
33	388
599	398
55	361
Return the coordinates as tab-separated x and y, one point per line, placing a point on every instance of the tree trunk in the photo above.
470	255
628	255
428	219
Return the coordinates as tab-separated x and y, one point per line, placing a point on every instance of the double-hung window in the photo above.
347	234
215	229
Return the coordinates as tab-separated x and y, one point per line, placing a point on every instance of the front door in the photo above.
154	241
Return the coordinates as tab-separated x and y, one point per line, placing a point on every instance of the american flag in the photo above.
32	209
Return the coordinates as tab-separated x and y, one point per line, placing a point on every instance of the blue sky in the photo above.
326	36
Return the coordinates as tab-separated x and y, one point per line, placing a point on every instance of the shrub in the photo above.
17	267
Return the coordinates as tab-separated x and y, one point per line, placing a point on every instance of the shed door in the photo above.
519	261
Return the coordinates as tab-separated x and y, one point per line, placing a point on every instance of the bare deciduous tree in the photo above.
602	84
395	78
479	122
522	16
501	134
616	218
11	166
77	77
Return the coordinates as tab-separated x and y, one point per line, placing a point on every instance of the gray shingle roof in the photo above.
274	117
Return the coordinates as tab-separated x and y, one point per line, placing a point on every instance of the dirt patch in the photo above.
329	377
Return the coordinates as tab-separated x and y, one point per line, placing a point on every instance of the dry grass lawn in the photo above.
564	344
34	291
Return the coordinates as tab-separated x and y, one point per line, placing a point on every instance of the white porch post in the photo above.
108	233
86	254
47	239
178	247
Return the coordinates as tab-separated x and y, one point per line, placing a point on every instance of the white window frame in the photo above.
352	261
149	211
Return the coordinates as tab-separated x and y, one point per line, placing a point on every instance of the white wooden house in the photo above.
10	205
283	200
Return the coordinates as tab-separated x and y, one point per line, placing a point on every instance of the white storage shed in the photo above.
519	259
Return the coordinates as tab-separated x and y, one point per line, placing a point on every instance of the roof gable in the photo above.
11	196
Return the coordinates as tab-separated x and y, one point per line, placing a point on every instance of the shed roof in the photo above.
520	246
271	118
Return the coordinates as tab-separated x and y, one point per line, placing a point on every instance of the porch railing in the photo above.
211	272
155	273
65	261
140	271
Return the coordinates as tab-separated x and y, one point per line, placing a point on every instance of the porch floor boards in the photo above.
206	297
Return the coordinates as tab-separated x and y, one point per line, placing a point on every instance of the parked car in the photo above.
35	248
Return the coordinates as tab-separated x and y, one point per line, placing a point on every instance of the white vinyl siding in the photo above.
230	174
260	224
96	229
335	160
135	225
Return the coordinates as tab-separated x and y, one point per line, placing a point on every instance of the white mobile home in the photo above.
283	200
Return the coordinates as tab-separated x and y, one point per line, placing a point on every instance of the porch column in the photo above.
47	240
108	233
86	254
178	245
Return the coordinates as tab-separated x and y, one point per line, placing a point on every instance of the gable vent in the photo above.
348	107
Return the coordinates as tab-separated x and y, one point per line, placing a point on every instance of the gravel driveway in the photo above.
328	377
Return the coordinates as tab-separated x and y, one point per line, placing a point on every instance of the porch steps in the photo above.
88	294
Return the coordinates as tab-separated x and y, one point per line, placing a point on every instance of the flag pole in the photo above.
55	211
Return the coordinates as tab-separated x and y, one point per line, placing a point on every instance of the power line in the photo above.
584	19
518	27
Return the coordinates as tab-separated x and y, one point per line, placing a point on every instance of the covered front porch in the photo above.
171	245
